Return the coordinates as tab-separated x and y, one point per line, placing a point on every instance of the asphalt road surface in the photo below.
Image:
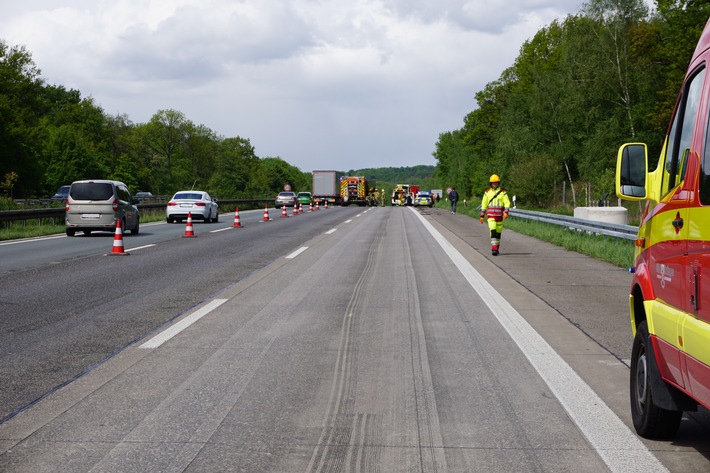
350	339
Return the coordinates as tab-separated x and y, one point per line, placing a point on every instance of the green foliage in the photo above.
7	203
534	180
577	90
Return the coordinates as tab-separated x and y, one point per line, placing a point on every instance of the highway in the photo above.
347	339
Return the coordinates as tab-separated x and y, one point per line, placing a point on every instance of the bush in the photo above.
533	181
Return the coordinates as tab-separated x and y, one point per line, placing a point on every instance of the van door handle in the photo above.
678	223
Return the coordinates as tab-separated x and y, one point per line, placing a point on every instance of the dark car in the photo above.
141	196
61	194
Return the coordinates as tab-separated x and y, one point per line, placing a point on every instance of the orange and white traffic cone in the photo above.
317	208
266	214
283	211
188	228
237	223
118	240
300	208
310	207
295	209
325	205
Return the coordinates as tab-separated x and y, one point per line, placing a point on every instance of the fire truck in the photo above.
404	194
670	293
354	190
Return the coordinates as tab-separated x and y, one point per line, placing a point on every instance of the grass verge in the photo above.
616	251
30	229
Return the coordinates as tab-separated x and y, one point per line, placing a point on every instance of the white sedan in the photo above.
199	204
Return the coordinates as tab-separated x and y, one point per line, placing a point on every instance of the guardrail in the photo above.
626	232
58	212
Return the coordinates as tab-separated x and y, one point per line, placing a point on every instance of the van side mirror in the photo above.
632	171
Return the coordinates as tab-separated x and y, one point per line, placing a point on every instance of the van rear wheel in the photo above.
649	420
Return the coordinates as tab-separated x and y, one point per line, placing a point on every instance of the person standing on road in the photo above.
453	198
494	208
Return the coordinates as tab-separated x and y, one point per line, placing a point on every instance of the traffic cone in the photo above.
188	228
317	208
283	211
325	206
295	209
237	223
310	207
118	240
266	214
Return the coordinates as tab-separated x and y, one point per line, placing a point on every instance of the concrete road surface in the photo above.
390	343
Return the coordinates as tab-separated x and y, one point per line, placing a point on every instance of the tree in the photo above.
237	171
20	113
615	18
165	135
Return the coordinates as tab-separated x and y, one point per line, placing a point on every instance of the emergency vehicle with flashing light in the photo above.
670	293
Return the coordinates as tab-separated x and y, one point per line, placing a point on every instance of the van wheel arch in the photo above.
650	420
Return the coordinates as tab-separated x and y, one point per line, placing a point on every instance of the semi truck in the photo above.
326	187
669	298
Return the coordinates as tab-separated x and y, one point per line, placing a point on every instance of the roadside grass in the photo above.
44	227
611	250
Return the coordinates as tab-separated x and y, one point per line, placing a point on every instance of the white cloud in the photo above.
335	84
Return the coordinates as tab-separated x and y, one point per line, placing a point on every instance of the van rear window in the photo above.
91	191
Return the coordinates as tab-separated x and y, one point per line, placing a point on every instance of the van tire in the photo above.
650	421
70	232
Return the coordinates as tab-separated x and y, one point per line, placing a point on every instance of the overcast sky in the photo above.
323	84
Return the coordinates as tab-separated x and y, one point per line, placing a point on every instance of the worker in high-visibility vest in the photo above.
494	208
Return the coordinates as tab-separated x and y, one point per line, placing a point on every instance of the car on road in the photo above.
61	194
423	199
304	198
141	196
97	205
198	204
287	199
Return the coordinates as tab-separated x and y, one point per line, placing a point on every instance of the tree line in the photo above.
578	89
51	136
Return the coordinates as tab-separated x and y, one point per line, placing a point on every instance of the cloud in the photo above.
319	83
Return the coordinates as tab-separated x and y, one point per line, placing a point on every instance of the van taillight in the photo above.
115	205
66	204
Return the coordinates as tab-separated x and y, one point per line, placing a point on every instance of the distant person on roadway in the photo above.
453	198
494	208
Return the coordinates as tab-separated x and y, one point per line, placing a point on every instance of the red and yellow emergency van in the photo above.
670	292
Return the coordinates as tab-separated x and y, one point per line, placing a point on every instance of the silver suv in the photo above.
98	204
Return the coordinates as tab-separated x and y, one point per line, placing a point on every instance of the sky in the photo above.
322	84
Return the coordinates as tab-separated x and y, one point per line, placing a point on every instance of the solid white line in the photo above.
620	448
173	330
220	230
297	252
31	240
332	230
139	247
